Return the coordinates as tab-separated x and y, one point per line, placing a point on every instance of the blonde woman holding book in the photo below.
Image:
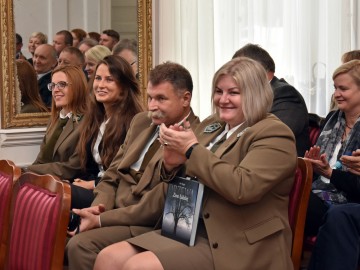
247	178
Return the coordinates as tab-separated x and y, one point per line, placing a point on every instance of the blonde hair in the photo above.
352	68
256	93
97	53
41	36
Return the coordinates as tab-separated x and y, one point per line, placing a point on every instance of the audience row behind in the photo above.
46	58
99	207
65	38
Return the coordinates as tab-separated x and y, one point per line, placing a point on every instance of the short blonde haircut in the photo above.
41	36
97	53
256	93
352	68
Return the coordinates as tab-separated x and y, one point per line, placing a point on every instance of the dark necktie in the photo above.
49	146
218	143
149	154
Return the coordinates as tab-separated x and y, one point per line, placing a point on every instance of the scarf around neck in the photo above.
330	136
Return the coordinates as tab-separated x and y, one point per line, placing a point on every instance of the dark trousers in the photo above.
315	215
338	241
81	197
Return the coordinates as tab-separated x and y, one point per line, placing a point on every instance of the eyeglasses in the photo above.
60	85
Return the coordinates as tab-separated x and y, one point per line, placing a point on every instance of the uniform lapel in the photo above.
208	137
232	140
133	152
69	127
150	169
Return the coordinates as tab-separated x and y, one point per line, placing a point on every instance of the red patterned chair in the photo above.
9	174
39	217
315	124
298	202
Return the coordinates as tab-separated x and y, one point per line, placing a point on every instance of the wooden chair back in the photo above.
9	174
298	203
39	217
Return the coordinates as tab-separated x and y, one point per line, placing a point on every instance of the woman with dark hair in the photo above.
29	89
114	101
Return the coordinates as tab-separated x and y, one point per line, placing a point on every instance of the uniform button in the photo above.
215	245
206	215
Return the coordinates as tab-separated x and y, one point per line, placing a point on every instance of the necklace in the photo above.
346	124
343	137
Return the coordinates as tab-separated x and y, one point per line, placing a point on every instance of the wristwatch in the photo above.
189	151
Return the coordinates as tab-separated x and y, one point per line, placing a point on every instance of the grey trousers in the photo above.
81	250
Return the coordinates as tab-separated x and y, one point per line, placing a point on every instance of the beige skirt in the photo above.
175	255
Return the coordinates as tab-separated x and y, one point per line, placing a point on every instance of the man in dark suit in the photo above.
45	60
131	191
288	105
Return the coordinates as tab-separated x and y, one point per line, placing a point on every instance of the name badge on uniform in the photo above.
211	128
241	133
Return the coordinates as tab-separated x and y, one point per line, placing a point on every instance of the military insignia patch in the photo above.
77	117
211	128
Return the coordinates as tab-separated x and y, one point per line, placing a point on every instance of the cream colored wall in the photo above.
50	16
124	18
20	145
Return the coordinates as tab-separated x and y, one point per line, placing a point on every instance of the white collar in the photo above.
231	131
40	75
62	115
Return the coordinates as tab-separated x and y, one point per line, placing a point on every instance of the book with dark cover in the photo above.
182	209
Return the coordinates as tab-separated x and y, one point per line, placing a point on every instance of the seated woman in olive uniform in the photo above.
246	158
57	154
114	101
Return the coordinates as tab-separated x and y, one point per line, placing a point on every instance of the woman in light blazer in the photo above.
248	178
57	154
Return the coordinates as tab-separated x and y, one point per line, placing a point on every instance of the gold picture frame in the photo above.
10	118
